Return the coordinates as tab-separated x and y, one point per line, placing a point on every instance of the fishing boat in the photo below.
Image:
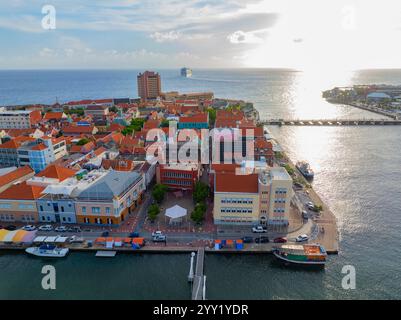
186	72
47	251
305	169
308	254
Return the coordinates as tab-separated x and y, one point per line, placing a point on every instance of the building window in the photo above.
107	210
41	208
95	210
83	209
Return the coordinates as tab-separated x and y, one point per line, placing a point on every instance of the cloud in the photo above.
166	36
244	37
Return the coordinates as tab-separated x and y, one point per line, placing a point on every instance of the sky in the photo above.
300	34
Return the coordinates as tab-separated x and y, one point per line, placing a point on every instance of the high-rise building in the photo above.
149	85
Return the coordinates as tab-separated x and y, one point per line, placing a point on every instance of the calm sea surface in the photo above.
358	173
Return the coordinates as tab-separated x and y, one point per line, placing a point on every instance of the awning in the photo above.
61	240
17	236
39	239
50	239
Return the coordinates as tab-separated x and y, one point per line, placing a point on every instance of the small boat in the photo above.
47	251
308	254
305	169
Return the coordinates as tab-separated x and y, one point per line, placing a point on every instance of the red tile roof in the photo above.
57	172
22	191
53	116
200	117
230	182
39	147
78	129
15	175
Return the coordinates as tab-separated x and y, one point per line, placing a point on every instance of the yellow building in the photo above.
257	198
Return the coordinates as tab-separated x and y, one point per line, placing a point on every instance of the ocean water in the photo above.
357	169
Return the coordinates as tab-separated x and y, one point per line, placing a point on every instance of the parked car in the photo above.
105	234
74	229
157	233
75	239
262	240
302	238
258	229
298	185
134	235
28	228
280	240
61	229
46	227
10	228
305	215
310	207
159	238
247	239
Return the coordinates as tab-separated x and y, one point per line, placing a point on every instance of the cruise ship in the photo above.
186	72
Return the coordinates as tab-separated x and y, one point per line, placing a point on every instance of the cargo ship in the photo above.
186	72
308	254
305	169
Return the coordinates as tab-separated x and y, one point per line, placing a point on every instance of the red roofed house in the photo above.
196	121
20	174
55	117
18	203
56	172
77	130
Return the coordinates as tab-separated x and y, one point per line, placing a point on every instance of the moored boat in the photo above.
305	169
48	251
308	254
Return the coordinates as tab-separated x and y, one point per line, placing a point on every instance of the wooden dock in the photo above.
198	287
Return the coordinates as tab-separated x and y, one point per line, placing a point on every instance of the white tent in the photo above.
176	214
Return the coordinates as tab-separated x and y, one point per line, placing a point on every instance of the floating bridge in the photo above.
333	122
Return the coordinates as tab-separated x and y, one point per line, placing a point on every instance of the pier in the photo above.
332	122
199	282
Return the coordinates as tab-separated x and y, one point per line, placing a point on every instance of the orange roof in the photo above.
22	191
39	147
11	144
226	114
53	116
201	117
57	172
99	151
115	127
15	175
78	129
230	182
20	132
221	167
151	124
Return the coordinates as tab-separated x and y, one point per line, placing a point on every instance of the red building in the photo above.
178	176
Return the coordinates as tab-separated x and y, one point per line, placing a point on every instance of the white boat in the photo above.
186	72
48	251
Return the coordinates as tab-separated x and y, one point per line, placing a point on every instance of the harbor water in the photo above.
357	173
